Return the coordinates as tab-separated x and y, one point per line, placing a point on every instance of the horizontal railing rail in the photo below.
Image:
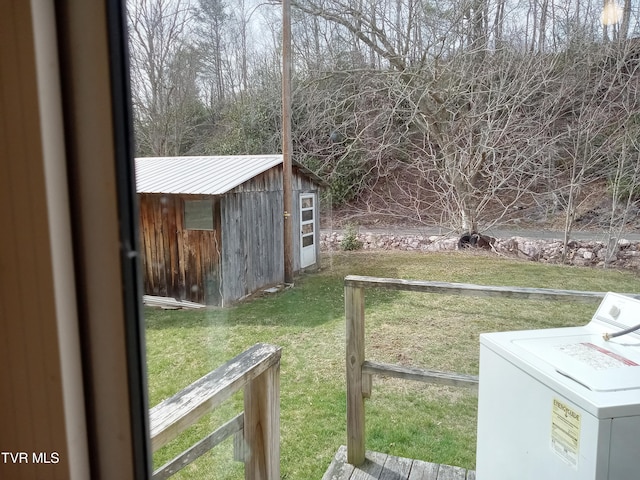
360	370
419	375
256	429
469	289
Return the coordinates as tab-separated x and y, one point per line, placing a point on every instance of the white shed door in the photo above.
307	229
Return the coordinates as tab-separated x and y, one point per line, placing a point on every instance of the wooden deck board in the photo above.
339	468
372	467
396	468
424	470
380	466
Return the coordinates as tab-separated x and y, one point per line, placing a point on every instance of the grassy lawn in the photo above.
403	418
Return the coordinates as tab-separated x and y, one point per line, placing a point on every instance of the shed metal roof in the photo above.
213	175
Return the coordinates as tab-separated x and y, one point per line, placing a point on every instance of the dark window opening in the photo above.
198	214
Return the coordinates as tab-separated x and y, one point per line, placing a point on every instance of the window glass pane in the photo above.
198	214
562	82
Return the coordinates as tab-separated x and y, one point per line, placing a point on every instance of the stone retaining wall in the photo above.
622	254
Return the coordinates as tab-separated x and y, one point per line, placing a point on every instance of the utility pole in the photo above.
287	143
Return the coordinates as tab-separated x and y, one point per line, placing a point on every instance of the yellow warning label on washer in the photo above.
565	432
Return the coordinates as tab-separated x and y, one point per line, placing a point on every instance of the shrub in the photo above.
350	240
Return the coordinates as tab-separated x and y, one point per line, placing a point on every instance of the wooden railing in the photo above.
256	430
360	370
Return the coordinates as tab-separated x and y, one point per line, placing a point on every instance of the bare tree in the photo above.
457	122
436	112
458	118
164	68
212	33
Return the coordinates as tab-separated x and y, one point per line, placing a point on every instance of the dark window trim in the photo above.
130	255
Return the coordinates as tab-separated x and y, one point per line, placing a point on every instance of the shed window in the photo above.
198	214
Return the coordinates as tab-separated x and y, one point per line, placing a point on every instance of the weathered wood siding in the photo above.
252	232
178	263
243	254
252	242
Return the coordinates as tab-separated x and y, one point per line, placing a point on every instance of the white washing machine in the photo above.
562	404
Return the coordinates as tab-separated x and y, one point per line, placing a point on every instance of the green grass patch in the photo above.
409	419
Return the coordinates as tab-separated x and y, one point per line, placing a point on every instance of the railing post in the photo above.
354	313
262	426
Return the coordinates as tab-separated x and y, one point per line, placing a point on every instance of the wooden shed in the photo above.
212	227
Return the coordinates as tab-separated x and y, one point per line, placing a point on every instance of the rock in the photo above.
625	254
624	243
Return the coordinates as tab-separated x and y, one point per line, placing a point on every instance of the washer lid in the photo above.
588	360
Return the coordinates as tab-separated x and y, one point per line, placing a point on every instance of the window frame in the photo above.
210	203
94	38
74	311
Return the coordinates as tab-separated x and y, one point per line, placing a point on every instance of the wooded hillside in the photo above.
456	113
